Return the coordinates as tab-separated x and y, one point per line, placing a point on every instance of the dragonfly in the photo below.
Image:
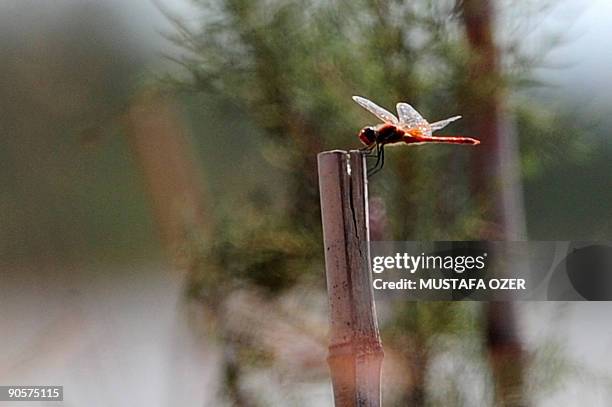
411	128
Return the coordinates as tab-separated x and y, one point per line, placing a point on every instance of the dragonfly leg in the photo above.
377	155
367	150
380	160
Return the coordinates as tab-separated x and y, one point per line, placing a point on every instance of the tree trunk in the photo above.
496	188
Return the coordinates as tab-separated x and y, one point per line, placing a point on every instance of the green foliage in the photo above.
261	252
559	136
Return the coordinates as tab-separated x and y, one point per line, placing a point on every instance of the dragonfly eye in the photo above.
367	135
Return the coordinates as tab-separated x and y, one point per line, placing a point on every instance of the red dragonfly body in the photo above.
386	133
410	128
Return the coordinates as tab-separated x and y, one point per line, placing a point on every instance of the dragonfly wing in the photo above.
443	123
409	118
376	110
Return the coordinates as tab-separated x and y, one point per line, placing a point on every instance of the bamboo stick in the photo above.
355	350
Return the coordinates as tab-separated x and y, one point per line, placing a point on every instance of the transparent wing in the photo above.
409	117
376	110
443	123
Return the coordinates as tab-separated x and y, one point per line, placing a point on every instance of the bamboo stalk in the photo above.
355	350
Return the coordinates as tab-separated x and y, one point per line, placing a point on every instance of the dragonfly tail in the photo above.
443	139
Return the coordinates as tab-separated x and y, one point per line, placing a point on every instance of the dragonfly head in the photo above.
367	135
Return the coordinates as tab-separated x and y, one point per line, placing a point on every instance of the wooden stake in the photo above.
355	350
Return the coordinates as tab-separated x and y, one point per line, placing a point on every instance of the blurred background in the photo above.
160	238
